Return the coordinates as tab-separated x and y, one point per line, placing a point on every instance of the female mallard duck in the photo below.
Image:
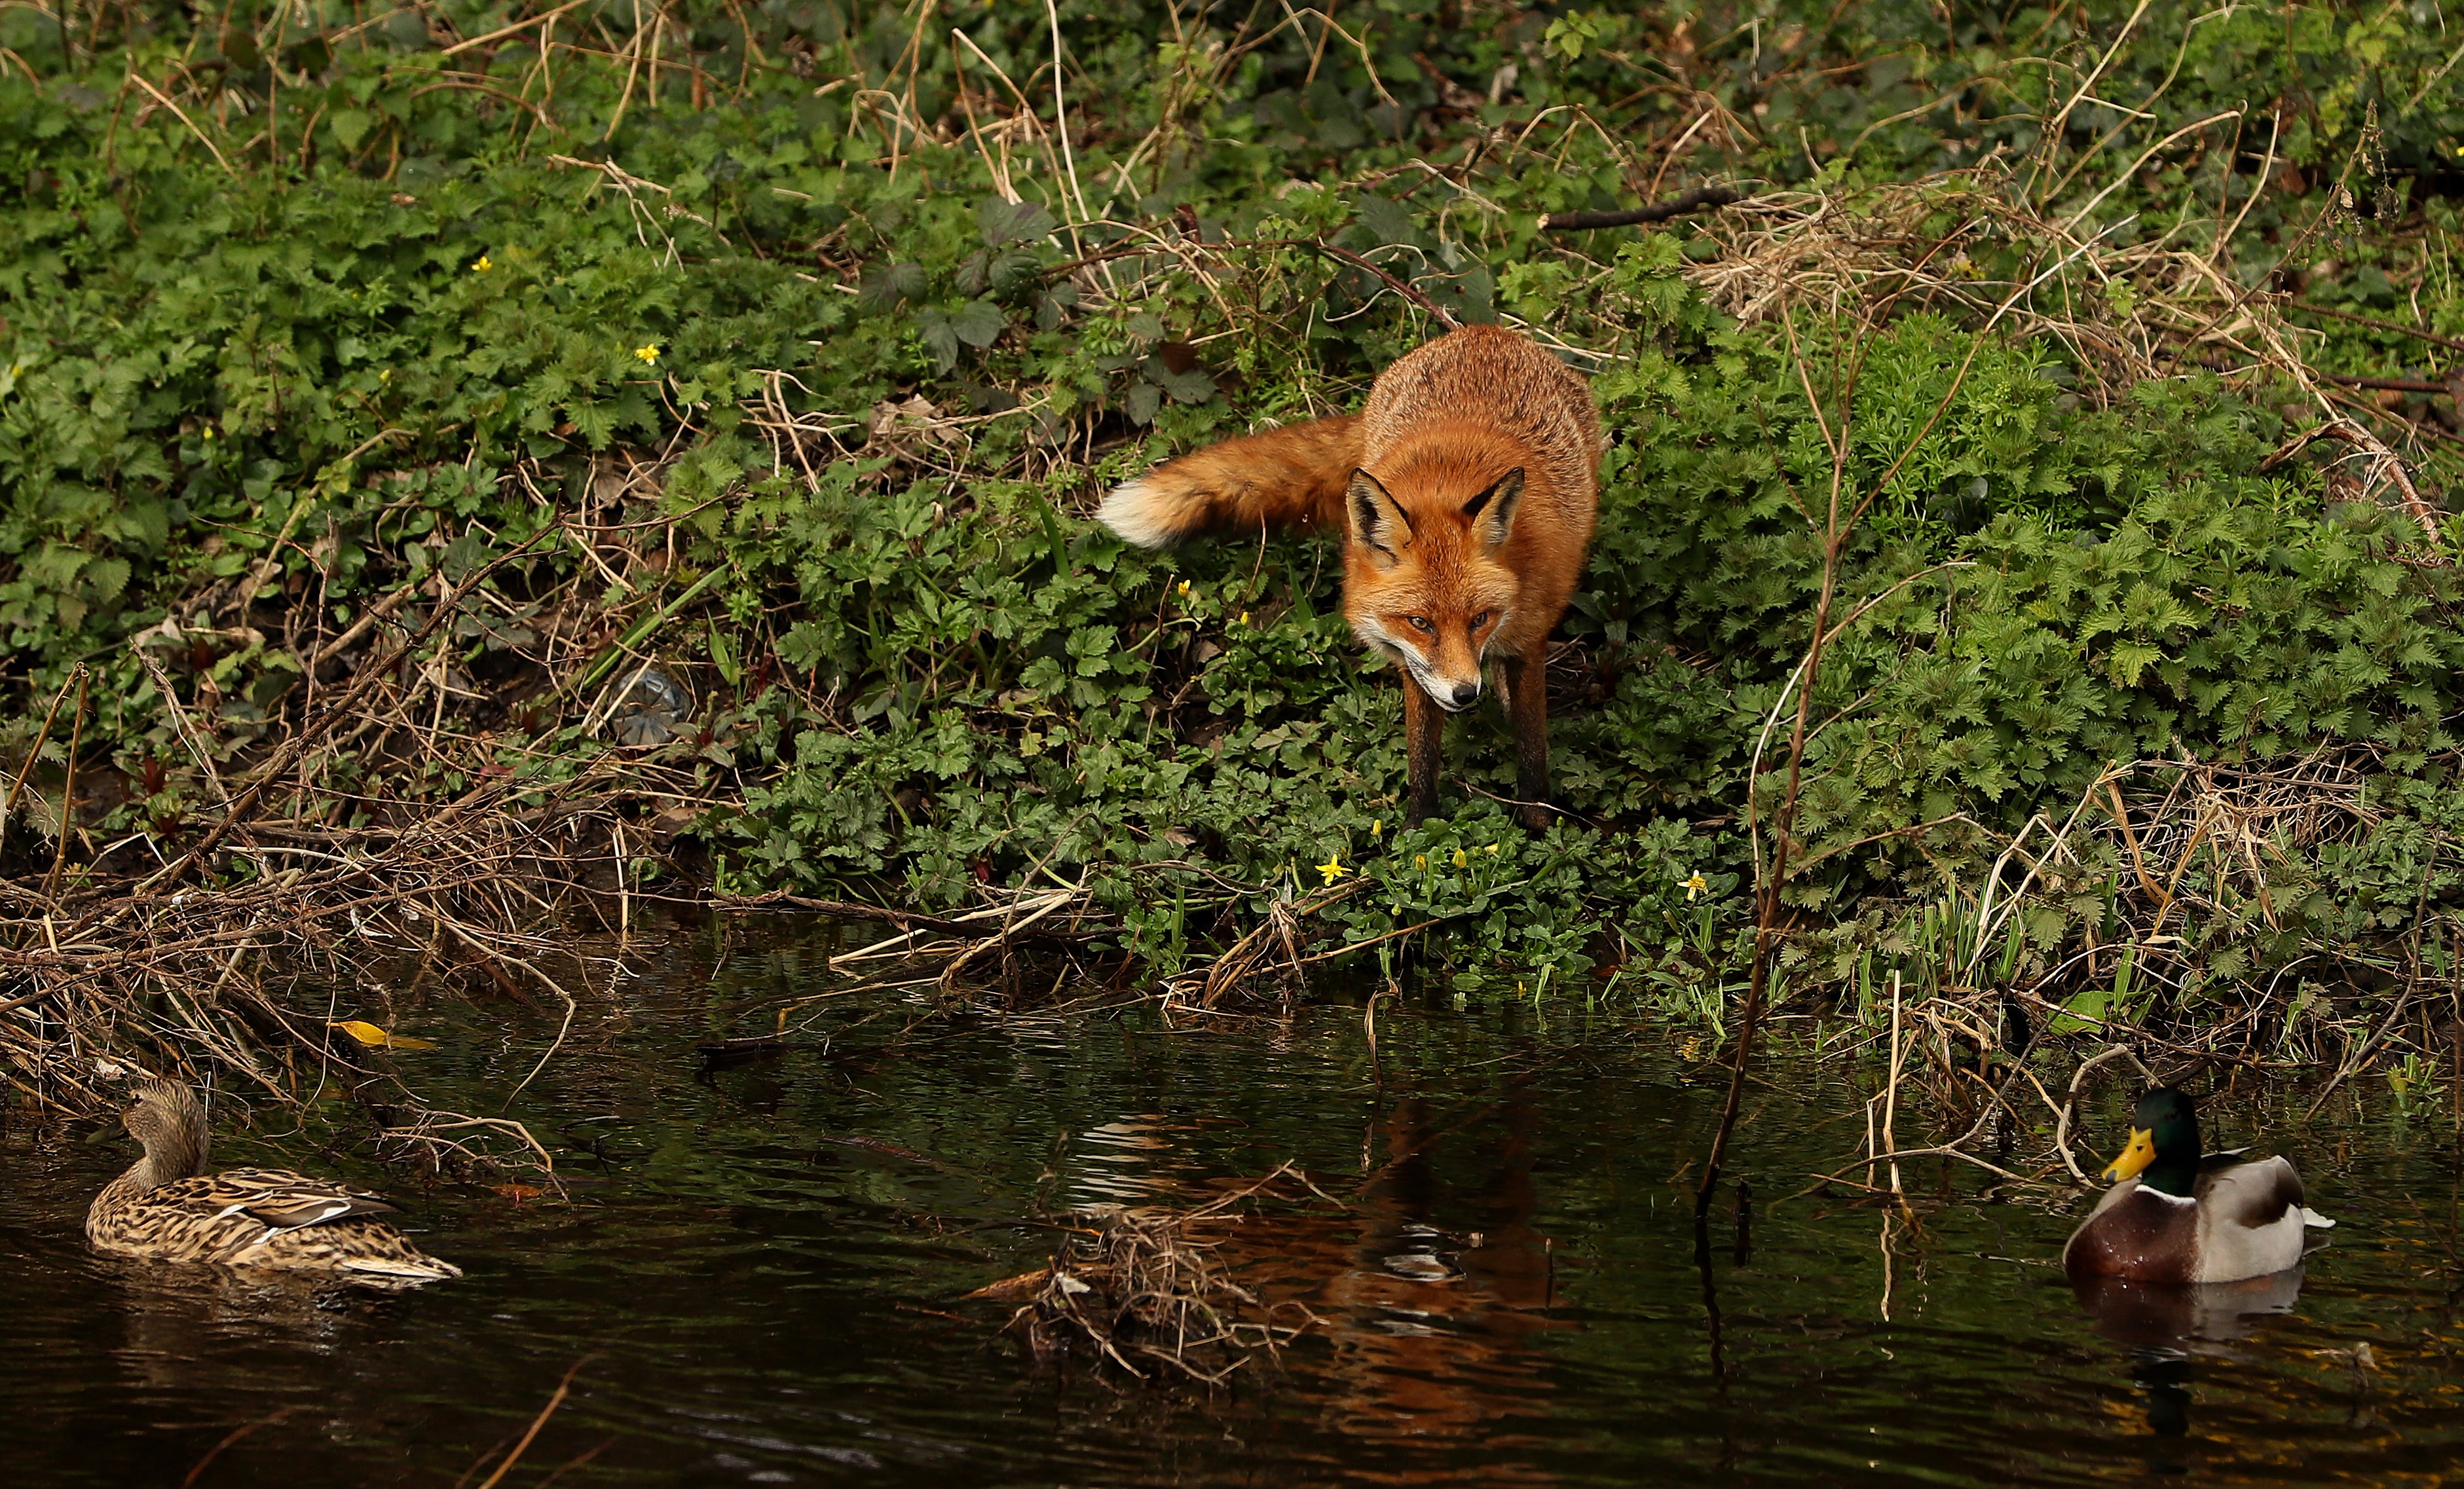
168	1209
2177	1215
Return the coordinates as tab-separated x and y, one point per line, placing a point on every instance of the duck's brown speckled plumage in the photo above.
167	1208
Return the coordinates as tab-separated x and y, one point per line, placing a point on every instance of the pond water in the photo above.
759	1273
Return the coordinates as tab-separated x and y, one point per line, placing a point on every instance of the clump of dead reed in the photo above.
1153	1290
310	866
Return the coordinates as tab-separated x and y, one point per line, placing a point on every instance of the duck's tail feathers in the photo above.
424	1269
2315	1221
1294	476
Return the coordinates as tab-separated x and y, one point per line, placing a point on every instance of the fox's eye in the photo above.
1420	622
1479	620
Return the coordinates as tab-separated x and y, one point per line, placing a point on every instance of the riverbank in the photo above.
473	473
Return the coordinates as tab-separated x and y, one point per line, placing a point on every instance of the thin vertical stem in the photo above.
1767	911
42	736
68	792
1891	1096
1870	1150
1061	117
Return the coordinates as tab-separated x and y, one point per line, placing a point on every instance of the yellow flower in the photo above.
1462	860
1492	848
1420	863
374	1038
1184	590
1376	826
1332	867
1245	619
481	265
1695	885
649	353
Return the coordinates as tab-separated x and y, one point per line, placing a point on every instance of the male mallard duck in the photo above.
168	1209
2176	1215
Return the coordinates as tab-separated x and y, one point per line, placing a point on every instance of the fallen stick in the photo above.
1694	201
2431	336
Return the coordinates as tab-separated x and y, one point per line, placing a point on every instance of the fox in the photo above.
1466	490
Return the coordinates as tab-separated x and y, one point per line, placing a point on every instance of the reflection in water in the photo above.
1117	1162
1434	1333
2178	1316
180	1322
1430	1329
2166	1324
763	1261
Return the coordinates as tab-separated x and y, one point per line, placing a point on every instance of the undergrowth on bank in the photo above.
777	355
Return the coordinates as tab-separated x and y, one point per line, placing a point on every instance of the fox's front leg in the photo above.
1424	726
1526	704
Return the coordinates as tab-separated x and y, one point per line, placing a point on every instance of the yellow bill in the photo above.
374	1038
2140	1152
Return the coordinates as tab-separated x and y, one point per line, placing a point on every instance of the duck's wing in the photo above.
2235	1157
2252	1218
2248	1190
272	1198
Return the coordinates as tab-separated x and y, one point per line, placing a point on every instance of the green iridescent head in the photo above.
2164	1149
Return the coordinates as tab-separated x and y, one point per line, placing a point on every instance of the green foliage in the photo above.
375	306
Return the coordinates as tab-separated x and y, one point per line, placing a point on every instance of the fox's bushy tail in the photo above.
1293	476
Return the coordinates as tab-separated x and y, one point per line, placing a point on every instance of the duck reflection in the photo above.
2166	1324
183	1324
2183	1315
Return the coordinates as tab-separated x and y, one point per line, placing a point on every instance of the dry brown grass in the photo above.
1146	1289
359	846
2126	309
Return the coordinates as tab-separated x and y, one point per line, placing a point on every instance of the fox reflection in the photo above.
1431	1332
1434	1335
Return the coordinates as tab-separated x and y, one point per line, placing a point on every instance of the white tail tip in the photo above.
2316	1221
1136	511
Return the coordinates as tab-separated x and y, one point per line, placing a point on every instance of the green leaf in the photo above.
940	337
107	577
2129	659
1390	221
465	554
979	323
1002	222
802	646
883	286
1193	386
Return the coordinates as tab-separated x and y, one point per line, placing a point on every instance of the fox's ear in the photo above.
1377	523
1492	511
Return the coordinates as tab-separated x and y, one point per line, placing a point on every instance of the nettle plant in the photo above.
788	352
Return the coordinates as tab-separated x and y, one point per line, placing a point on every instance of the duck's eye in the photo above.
1479	620
1420	622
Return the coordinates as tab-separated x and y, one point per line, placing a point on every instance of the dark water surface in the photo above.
759	1271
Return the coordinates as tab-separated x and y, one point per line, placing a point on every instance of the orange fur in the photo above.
1467	487
1287	477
